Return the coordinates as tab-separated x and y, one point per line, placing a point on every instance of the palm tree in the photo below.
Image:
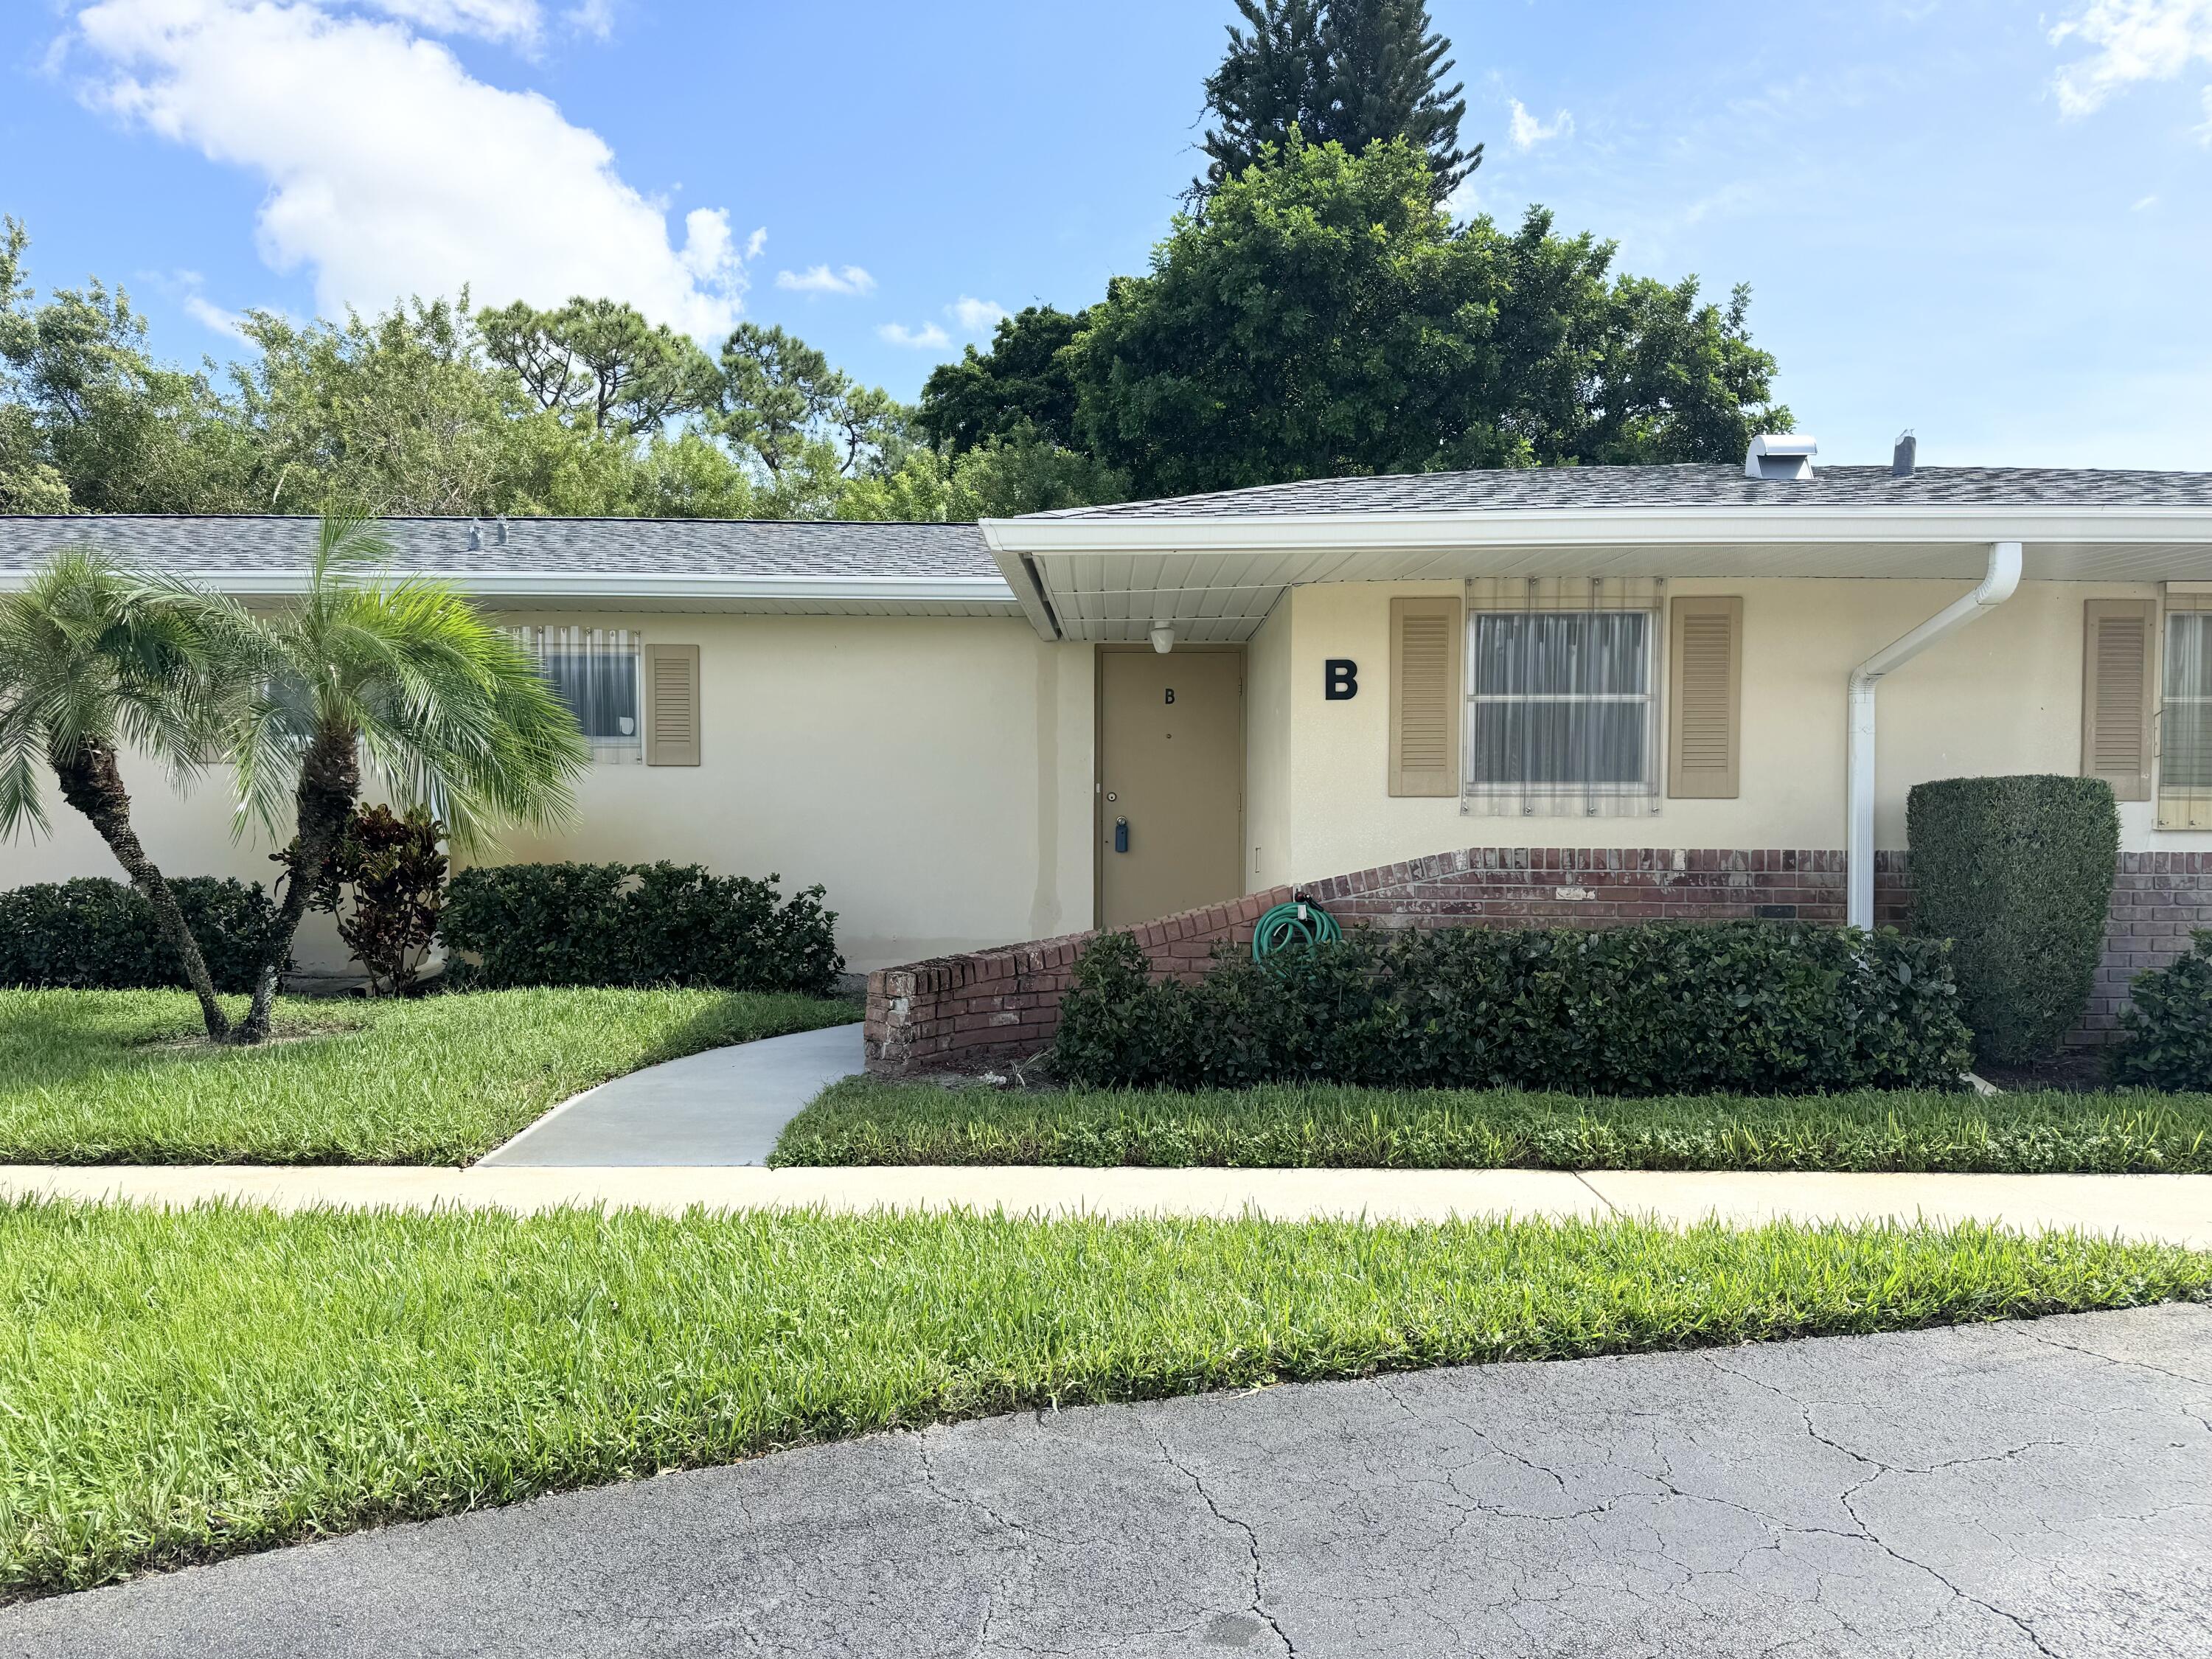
445	710
93	659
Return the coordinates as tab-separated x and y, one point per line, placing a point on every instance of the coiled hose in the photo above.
1300	921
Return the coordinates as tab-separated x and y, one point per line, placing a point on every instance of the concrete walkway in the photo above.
726	1106
2040	1490
2174	1208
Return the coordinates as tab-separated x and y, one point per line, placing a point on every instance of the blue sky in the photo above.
1988	222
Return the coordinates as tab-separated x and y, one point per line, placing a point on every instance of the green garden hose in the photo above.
1301	922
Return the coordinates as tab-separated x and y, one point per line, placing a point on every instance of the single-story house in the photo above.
1575	693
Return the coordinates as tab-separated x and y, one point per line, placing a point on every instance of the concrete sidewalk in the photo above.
725	1106
2174	1208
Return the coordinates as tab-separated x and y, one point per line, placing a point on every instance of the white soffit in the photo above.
1217	580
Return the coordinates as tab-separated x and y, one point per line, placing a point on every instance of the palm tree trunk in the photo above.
93	783
329	784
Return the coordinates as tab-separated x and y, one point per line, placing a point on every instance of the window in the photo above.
1562	710
594	672
2185	735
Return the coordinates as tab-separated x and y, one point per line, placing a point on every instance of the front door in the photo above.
1170	782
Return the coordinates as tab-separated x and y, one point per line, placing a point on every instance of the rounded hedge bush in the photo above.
2165	1031
1663	1008
95	935
2017	873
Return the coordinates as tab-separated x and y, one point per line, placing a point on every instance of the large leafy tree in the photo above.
599	362
89	421
1323	317
1020	385
1351	72
811	429
406	680
94	659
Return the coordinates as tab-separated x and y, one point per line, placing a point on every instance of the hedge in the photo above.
95	934
2166	1030
1665	1008
2017	872
637	925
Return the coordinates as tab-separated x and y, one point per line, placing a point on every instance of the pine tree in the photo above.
1350	70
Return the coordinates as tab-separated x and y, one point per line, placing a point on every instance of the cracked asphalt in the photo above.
2038	1488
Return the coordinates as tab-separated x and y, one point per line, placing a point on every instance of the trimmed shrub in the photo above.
2165	1031
1665	1008
2017	872
95	934
637	925
384	884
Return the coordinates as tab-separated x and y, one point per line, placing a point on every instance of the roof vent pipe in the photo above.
1906	456
1780	455
1998	584
498	535
476	536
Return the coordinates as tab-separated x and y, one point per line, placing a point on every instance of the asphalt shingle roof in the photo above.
1694	485
673	547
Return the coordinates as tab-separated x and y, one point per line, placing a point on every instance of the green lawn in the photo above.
862	1121
177	1385
123	1077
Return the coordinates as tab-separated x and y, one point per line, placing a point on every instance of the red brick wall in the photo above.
2158	900
984	1010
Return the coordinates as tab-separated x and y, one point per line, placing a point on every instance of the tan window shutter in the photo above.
672	699
1705	701
2116	693
1427	639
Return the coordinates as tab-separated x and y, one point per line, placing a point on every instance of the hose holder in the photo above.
1297	922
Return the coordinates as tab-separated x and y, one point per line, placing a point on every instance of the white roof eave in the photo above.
1598	526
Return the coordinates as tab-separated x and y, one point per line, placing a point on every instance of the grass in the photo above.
177	1385
863	1121
124	1076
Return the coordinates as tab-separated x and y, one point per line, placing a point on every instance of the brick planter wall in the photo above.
2158	900
992	1007
973	1013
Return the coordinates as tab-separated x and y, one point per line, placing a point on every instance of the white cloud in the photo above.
2143	204
1528	131
210	315
975	316
593	17
2135	40
820	279
512	23
390	170
927	337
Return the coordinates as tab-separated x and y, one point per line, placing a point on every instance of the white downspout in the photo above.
1998	585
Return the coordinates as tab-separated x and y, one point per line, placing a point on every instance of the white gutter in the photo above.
579	585
1997	586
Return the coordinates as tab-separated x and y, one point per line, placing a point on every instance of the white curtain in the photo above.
2185	735
594	672
1563	678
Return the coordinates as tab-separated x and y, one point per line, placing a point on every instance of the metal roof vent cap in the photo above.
476	536
500	534
1780	455
1906	457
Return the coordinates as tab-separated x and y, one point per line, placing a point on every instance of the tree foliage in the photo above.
600	362
1351	72
1323	318
1021	385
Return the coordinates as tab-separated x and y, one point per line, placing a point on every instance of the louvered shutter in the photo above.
1705	699
2116	691
1426	642
672	698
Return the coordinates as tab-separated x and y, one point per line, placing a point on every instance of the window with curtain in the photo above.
1562	698
594	671
2184	730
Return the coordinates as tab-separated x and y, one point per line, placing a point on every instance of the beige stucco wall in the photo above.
2004	696
934	775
